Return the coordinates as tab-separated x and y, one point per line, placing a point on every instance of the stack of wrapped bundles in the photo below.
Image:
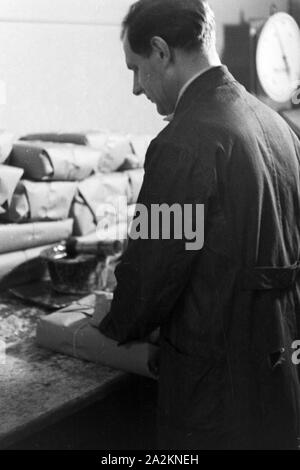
119	152
21	244
34	211
101	202
92	178
107	195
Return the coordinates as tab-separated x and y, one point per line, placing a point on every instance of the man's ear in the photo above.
161	48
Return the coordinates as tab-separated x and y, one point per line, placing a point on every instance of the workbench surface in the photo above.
39	387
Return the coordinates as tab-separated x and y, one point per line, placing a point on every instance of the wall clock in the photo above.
278	57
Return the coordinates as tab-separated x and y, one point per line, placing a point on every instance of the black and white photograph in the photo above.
149	228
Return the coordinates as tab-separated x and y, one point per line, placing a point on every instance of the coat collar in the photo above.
212	78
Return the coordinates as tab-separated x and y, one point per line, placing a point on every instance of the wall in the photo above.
295	9
63	64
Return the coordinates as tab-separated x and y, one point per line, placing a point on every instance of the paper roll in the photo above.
113	148
101	202
44	161
36	201
9	178
15	237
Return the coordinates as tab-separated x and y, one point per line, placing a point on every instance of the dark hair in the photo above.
185	24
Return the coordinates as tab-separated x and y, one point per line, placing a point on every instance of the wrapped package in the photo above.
20	267
9	178
16	237
140	144
113	148
135	180
70	331
6	143
60	137
37	201
101	202
44	161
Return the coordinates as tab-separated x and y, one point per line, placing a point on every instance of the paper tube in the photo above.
53	161
69	331
16	237
114	148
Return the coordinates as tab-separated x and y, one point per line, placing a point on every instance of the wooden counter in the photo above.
39	387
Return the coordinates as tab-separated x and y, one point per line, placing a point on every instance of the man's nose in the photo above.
137	89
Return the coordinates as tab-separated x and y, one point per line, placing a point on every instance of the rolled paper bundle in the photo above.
9	178
43	161
60	137
15	237
37	201
114	148
6	143
101	202
140	144
70	331
135	180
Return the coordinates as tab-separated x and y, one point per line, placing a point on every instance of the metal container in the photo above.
80	274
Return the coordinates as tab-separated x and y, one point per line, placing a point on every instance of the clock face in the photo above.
278	57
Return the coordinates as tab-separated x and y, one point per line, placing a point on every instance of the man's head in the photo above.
166	42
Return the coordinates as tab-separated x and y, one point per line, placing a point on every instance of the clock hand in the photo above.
284	57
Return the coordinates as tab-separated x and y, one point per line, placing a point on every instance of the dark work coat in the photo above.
229	312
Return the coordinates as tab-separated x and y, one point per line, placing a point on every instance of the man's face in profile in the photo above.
149	78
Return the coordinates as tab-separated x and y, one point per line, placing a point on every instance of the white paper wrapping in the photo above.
113	148
69	331
44	161
101	202
15	237
135	178
6	143
9	178
37	201
140	144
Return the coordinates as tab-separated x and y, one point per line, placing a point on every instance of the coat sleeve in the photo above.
153	272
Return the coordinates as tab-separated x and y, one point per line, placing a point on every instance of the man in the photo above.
228	312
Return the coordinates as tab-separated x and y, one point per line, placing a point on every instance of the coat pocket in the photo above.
191	389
